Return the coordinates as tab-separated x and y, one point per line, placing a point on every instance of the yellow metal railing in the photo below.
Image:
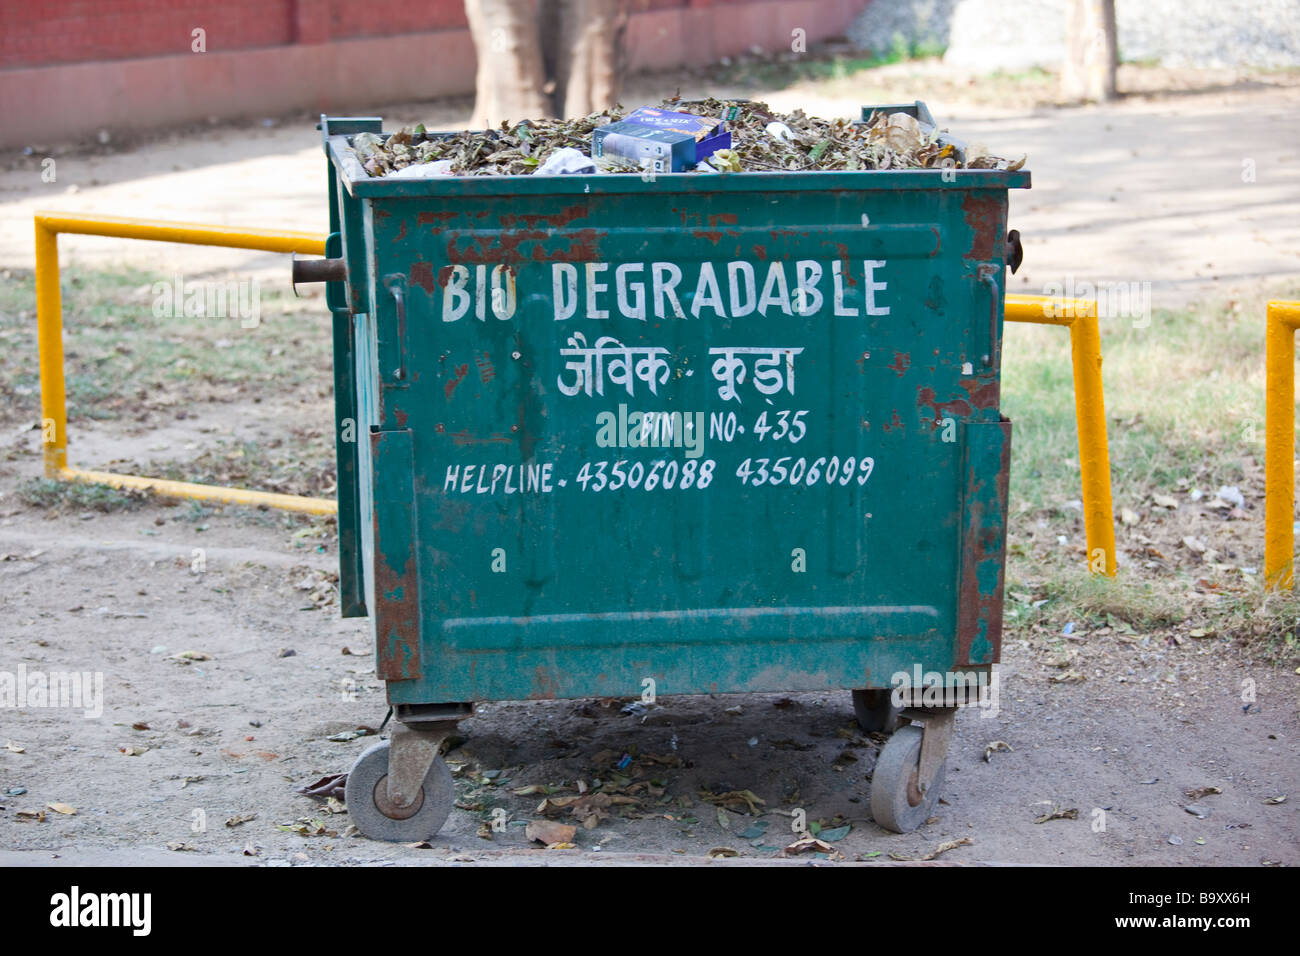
1282	320
49	320
1080	317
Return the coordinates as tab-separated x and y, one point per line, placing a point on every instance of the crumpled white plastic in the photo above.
566	161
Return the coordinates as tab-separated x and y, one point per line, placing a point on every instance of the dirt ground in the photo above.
1148	190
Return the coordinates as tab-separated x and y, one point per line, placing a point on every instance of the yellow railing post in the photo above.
1281	322
1094	450
1080	317
49	332
49	323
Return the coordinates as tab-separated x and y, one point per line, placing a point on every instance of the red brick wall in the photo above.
51	32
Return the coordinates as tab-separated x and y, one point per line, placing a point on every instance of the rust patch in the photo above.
983	542
401	417
545	686
504	247
457	377
984	392
401	232
760	253
958	407
435	217
397	641
397	587
422	275
465	437
902	362
555	221
984	216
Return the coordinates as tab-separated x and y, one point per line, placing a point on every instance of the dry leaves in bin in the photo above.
762	140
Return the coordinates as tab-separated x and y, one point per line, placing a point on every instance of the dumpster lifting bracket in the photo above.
410	755
937	723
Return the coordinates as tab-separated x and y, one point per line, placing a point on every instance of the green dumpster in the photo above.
624	435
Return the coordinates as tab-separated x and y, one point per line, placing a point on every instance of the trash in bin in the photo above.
663	141
566	161
891	137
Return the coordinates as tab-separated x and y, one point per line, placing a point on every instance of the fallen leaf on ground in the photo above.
14	748
549	832
192	656
1273	801
178	845
741	801
330	785
237	820
721	851
62	808
1195	793
1068	676
307	828
1058	813
996	746
1164	501
941	848
807	844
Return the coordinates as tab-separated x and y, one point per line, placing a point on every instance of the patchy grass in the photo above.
1185	416
303	467
121	359
76	496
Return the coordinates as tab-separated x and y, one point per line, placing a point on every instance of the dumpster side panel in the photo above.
809	375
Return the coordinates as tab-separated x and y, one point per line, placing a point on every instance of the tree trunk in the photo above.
508	84
587	53
1091	51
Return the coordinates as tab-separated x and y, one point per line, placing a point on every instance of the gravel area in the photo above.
992	34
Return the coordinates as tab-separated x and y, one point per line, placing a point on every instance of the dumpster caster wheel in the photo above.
876	712
377	817
897	801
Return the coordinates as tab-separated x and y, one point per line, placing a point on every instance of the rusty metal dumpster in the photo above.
604	435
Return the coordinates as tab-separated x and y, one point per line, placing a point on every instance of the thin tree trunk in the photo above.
1091	51
508	84
588	54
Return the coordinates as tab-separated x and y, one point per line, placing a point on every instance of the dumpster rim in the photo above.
359	185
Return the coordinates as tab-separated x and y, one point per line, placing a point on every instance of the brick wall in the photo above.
71	67
53	32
